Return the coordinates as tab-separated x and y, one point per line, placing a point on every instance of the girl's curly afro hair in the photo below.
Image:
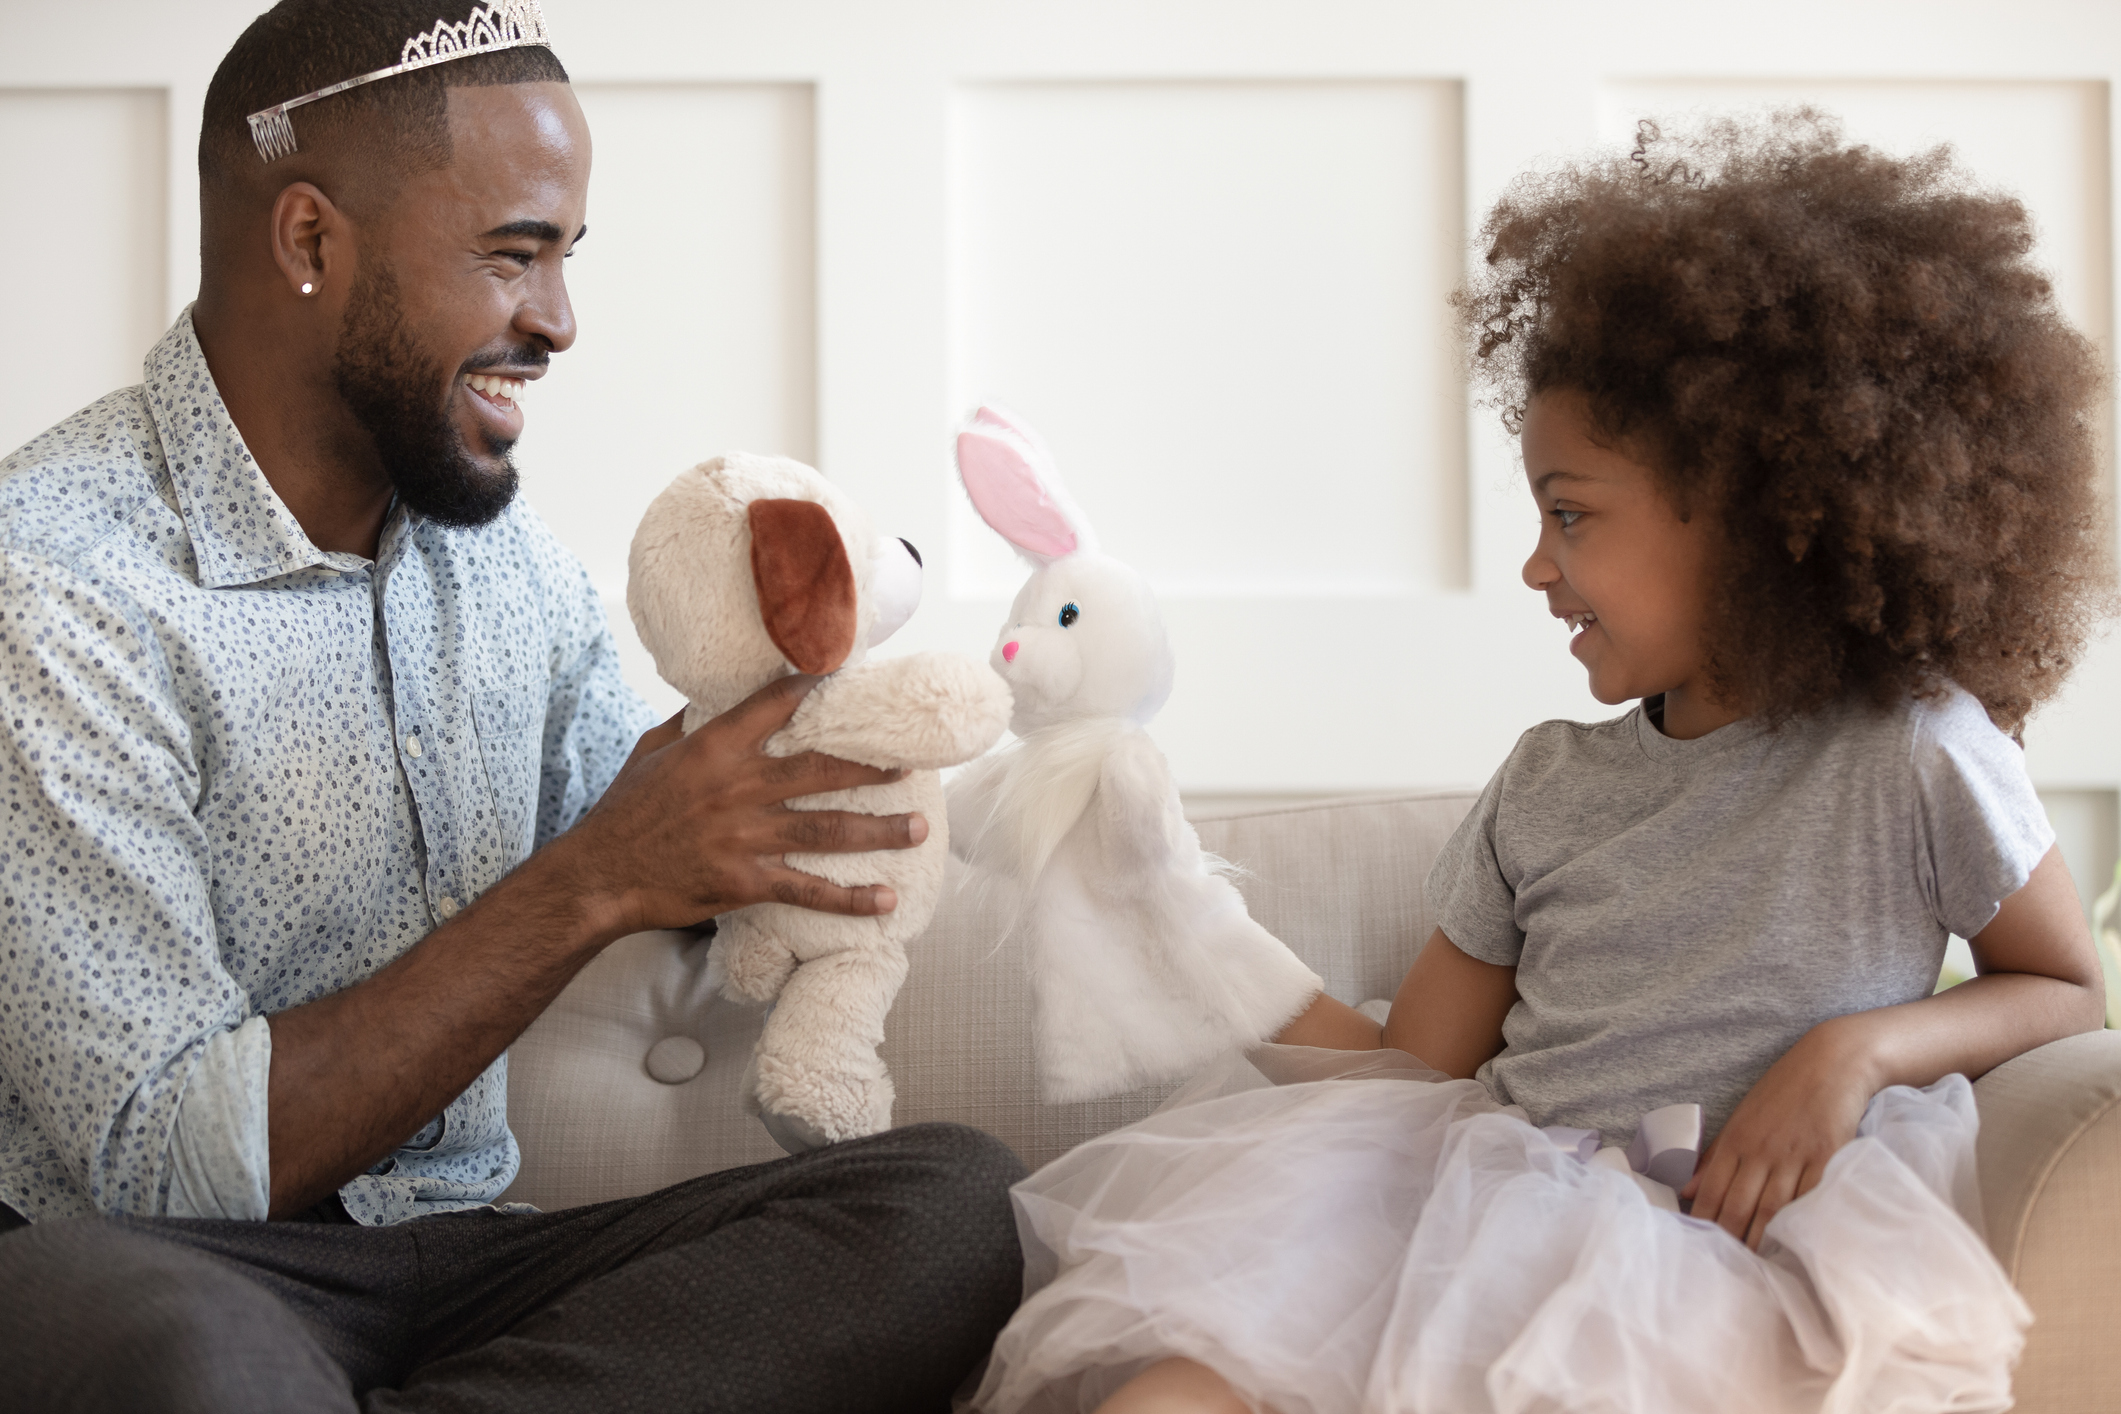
1849	362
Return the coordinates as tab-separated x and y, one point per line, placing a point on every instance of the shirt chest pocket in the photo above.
510	722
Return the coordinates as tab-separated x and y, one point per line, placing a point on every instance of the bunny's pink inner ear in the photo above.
1007	493
991	416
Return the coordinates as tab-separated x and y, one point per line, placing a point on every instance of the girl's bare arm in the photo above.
2040	981
1448	1013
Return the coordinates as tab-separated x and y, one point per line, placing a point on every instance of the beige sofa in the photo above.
1342	884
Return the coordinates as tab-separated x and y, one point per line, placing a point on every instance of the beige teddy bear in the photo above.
748	568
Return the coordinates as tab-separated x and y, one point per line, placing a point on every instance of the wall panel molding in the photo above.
1224	303
792	217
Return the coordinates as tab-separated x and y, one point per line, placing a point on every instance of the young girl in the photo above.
1813	457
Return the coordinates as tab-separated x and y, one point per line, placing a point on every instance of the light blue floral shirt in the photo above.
239	773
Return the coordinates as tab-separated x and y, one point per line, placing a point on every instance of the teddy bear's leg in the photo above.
817	1061
757	962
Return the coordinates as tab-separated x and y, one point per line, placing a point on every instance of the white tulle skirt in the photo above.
1336	1232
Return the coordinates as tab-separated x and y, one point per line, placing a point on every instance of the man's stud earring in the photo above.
308	289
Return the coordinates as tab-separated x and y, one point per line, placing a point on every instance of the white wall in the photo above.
1202	243
86	171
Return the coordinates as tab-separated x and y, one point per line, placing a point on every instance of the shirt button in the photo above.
412	744
446	906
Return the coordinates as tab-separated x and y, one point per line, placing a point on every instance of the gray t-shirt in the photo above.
1681	912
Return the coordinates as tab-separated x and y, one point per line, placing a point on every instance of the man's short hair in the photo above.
300	46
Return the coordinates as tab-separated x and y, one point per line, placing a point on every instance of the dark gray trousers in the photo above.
871	1275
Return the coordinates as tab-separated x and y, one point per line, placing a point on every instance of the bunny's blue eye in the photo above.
1068	615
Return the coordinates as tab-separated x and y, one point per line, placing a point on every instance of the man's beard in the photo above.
388	385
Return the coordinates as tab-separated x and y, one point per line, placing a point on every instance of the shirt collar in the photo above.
241	531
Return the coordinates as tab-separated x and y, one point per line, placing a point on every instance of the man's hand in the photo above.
697	825
1775	1147
693	826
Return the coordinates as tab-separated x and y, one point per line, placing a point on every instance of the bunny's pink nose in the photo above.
1009	651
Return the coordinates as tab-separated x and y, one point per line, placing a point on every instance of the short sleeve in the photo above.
1468	894
1979	828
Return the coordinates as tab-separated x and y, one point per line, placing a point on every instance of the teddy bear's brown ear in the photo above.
806	586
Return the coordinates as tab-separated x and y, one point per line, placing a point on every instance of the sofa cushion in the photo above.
1340	882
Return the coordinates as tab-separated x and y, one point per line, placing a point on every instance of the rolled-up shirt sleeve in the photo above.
111	985
220	1150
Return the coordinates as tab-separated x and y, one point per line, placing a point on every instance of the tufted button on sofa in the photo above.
675	1060
631	1079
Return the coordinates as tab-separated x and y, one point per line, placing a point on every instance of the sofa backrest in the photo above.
1340	882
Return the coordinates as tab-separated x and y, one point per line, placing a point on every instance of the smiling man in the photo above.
318	781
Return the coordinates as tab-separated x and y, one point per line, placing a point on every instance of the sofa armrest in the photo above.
2050	1163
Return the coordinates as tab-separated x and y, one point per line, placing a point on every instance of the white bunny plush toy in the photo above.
748	568
1144	963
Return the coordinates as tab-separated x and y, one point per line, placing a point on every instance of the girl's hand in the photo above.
1777	1142
2039	981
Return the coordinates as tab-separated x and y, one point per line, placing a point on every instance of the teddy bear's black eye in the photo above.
1068	615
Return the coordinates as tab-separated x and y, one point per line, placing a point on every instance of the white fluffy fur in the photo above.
1144	962
832	978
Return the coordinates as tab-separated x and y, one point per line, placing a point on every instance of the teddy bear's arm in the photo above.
924	711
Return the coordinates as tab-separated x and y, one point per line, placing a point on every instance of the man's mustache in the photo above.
524	355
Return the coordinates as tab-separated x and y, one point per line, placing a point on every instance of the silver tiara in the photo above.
504	24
